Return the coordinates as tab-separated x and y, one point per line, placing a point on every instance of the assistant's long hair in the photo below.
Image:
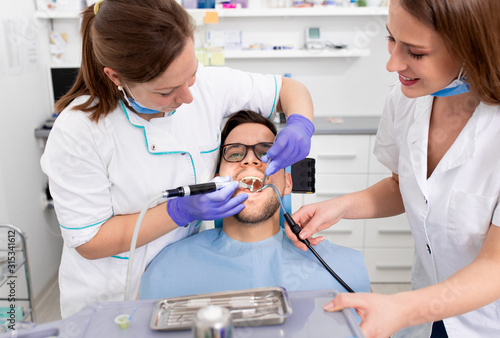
471	32
138	39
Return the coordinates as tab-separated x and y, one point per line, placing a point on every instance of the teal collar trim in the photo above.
165	152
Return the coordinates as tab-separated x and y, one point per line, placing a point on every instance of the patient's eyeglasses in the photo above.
236	152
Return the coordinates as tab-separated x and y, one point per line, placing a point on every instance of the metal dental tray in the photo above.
251	307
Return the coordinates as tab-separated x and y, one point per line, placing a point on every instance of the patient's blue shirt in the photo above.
211	261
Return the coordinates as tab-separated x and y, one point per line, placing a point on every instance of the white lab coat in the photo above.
450	212
114	167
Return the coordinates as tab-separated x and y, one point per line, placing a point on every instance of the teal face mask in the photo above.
456	87
136	105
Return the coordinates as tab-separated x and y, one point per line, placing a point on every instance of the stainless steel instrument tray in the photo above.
250	307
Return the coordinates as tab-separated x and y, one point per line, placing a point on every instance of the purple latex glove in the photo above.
214	205
292	144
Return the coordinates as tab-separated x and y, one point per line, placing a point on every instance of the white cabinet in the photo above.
345	164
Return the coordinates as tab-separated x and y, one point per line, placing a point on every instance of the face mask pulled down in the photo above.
456	87
138	107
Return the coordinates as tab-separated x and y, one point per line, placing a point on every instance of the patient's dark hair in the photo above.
241	117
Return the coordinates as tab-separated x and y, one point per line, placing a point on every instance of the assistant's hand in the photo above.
313	218
214	205
292	144
381	315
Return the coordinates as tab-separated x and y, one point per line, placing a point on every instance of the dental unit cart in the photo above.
308	319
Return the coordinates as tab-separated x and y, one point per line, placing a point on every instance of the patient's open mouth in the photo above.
252	183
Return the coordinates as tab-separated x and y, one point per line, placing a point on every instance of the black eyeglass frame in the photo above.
224	147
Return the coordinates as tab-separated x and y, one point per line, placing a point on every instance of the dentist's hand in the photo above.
292	144
211	206
381	315
313	218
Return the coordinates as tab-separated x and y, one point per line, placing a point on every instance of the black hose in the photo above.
296	230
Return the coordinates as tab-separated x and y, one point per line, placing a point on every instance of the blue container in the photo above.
206	3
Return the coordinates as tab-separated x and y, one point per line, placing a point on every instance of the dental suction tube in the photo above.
296	230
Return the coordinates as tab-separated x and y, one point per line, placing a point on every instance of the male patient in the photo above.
251	249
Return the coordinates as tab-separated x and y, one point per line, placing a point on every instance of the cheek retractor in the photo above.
251	183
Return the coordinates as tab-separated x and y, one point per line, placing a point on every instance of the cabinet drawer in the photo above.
340	153
348	233
388	232
297	201
335	185
389	265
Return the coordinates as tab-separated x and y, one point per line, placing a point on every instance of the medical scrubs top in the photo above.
451	211
115	166
211	261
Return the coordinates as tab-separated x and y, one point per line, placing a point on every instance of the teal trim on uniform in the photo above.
211	151
87	226
119	257
275	97
191	225
160	153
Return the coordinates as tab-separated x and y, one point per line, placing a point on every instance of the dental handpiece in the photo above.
197	189
296	230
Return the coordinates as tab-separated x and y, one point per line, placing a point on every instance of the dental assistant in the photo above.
440	136
144	116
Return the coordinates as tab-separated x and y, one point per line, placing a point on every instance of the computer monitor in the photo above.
61	80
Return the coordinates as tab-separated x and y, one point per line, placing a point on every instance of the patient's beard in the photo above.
251	217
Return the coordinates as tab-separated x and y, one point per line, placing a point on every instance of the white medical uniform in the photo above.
114	167
450	212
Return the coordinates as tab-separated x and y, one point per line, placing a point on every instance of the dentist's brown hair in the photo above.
471	32
138	39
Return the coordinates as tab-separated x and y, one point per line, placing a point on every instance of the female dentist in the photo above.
440	136
144	116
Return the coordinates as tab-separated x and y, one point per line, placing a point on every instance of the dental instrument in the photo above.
296	230
196	189
132	313
265	175
186	190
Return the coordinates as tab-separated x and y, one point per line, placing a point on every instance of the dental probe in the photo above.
197	189
296	230
265	176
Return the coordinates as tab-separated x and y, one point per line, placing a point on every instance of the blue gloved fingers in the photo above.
224	194
279	145
282	157
292	144
221	179
232	211
275	153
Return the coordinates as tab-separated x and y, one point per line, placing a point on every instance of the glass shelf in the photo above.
251	12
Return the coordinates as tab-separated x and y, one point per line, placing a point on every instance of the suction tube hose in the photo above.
296	230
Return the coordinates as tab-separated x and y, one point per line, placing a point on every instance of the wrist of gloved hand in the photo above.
302	122
175	210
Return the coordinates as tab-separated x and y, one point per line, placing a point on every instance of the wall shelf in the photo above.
287	12
294	53
252	12
75	14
